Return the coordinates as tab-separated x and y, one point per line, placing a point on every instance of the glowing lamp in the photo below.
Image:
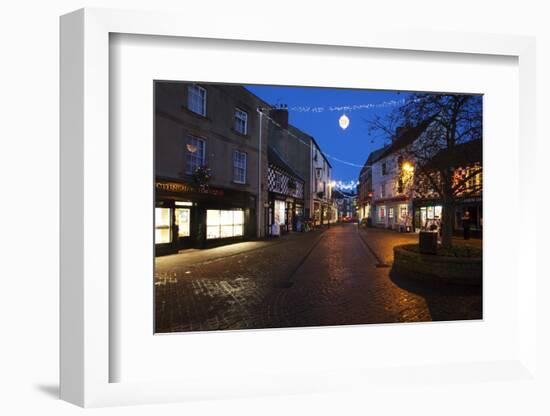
344	122
408	167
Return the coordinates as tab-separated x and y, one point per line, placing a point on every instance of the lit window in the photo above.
430	213
381	213
239	166
241	121
224	223
195	154
163	231
390	212
279	212
183	221
196	99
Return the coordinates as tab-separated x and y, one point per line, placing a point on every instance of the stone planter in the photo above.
426	267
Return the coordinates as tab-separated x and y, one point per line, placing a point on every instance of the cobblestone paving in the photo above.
317	278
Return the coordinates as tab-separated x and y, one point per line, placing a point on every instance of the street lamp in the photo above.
407	167
408	170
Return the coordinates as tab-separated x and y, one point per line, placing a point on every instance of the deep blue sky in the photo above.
352	145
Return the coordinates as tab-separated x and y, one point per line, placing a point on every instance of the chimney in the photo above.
280	116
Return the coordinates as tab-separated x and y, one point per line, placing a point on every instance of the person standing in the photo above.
466	224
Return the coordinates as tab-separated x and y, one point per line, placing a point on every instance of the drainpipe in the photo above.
259	205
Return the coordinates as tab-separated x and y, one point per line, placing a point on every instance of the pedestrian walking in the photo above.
466	224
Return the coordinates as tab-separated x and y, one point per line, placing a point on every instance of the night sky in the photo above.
315	111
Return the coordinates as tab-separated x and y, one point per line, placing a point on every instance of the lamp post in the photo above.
259	201
408	170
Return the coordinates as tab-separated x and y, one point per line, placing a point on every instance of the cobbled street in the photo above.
336	276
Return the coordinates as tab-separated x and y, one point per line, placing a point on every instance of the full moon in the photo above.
344	122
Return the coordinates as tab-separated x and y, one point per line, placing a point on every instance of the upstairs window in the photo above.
239	167
196	99
195	156
384	169
241	121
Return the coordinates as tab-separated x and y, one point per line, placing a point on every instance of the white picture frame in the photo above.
85	212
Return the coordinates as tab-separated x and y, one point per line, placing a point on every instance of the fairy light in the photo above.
351	107
346	186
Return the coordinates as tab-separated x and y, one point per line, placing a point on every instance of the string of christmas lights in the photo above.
350	107
350	185
339	184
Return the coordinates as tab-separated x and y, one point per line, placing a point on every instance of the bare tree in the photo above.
447	154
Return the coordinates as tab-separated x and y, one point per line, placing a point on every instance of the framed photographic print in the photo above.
265	219
278	214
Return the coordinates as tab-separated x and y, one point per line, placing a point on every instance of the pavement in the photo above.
335	276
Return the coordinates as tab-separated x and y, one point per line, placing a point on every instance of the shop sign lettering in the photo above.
180	188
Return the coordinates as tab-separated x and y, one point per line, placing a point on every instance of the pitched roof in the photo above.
277	160
406	136
462	154
373	157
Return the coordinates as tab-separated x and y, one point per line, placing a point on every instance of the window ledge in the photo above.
238	133
198	115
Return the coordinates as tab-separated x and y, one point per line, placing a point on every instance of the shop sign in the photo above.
182	188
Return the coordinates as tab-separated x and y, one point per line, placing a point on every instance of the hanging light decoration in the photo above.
343	121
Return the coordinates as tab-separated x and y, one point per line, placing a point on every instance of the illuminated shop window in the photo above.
403	211
279	212
390	212
224	223
163	231
381	213
430	213
183	221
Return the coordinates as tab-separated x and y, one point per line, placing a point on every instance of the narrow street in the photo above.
336	276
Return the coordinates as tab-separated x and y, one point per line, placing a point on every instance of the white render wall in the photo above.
325	175
389	180
389	183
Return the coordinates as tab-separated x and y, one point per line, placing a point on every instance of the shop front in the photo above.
393	213
427	216
430	212
285	199
285	212
189	216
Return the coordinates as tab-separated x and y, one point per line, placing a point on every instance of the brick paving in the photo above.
309	279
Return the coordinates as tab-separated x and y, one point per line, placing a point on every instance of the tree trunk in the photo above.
447	225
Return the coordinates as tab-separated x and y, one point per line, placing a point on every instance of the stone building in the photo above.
209	165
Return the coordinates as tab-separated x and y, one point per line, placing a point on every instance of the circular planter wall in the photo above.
427	267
